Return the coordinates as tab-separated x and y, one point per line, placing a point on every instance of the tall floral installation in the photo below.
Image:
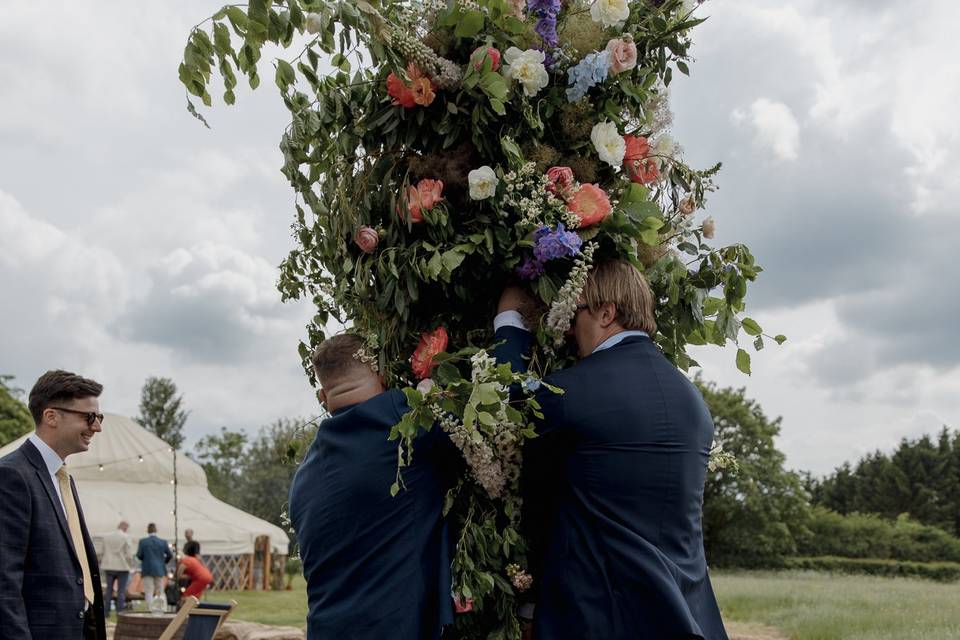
440	149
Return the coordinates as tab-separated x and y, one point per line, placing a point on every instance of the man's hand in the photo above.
515	298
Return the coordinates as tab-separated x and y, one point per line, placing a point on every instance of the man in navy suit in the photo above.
615	478
154	554
49	578
376	566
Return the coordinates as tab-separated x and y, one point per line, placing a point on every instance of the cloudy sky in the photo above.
134	242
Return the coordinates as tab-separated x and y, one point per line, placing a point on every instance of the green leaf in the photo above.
751	327
758	343
469	25
780	339
452	260
743	361
394	489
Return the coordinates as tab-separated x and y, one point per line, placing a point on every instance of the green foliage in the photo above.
15	418
752	517
161	410
938	571
920	478
860	535
255	475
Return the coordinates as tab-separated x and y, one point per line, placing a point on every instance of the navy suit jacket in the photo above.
41	582
615	489
376	566
154	554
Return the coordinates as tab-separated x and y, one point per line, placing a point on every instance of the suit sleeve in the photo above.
15	515
513	347
140	550
167	556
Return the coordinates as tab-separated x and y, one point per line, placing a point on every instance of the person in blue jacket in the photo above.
614	482
377	566
154	554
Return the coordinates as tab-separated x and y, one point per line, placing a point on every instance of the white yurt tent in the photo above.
128	474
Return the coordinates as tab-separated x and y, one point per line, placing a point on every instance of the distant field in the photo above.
803	605
818	606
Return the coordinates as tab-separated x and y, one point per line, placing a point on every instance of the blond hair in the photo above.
336	356
623	285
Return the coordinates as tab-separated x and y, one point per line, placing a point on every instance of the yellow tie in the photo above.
73	521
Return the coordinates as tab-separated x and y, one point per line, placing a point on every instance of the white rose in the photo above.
483	183
609	143
663	150
526	67
314	23
610	13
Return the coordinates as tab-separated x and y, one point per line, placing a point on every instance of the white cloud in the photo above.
774	127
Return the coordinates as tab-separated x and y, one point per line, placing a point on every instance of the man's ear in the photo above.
608	314
322	396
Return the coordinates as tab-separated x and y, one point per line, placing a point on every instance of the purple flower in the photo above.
531	268
546	27
555	244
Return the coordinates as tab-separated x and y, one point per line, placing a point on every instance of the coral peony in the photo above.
623	54
400	92
431	193
367	239
430	345
591	204
637	148
482	53
423	93
561	183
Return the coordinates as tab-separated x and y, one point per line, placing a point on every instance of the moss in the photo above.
576	121
584	169
580	32
543	154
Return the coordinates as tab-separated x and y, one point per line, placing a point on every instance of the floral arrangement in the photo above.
457	145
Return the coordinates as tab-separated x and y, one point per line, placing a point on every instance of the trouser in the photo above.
90	628
121	578
153	588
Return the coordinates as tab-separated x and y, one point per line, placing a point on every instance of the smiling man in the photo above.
49	578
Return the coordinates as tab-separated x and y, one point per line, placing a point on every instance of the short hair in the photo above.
621	283
192	548
56	386
151	528
336	356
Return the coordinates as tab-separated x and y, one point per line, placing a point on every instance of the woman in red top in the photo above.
191	566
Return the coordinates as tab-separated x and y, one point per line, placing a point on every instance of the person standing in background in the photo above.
192	567
154	554
117	562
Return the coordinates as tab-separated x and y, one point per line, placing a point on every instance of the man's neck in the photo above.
351	393
44	437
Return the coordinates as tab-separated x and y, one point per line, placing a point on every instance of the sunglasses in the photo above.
91	416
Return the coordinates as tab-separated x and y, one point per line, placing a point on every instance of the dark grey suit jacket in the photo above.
41	583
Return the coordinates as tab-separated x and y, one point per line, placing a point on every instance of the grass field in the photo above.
803	605
817	606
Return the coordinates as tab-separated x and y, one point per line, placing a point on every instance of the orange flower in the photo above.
591	204
430	345
414	205
639	167
431	193
638	148
423	93
400	92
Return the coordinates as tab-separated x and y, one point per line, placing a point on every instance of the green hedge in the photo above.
860	535
939	571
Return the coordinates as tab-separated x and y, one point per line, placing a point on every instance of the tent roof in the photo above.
128	475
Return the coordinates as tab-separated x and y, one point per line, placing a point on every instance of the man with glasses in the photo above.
49	578
614	480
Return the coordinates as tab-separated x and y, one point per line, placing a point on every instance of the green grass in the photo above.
281	608
804	605
819	606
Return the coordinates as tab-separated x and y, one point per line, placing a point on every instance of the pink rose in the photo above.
709	226
367	239
687	206
414	205
561	182
591	204
623	54
480	54
462	605
431	192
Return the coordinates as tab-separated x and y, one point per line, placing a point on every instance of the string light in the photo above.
139	458
101	468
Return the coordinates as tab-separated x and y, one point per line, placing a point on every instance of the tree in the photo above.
161	410
221	456
754	516
15	418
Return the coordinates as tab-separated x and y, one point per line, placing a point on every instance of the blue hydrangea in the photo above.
589	72
553	244
530	268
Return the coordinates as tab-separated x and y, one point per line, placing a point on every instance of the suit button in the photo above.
80	615
80	580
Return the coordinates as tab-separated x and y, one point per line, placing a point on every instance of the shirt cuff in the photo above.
526	611
511	318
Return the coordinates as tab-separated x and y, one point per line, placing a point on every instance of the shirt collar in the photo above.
617	338
50	457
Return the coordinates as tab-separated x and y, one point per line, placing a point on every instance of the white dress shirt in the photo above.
53	461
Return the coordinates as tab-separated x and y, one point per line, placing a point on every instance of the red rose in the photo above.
561	182
400	92
461	605
430	345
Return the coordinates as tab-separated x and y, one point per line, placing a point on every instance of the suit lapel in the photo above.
44	474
